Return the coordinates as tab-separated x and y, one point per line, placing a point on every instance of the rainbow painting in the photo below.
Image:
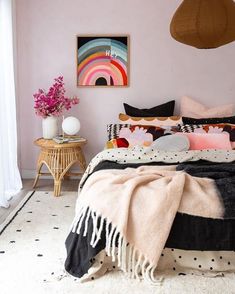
102	61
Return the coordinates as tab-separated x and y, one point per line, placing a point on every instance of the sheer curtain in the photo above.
10	181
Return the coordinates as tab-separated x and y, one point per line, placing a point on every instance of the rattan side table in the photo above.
59	158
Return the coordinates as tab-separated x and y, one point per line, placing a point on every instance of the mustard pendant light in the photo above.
204	24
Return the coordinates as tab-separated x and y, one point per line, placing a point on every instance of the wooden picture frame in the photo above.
102	60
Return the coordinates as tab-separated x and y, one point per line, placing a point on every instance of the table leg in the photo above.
38	174
57	188
81	160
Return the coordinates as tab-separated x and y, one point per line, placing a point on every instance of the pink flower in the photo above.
54	102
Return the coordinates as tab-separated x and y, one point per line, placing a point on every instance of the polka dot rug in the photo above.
32	255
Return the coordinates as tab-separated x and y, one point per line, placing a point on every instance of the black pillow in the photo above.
166	109
214	120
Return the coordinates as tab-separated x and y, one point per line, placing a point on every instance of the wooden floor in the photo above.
43	185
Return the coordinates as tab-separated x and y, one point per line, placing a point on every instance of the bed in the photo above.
146	211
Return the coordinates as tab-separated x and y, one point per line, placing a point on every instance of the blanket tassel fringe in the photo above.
128	258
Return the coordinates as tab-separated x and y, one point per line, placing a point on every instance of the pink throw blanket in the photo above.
138	207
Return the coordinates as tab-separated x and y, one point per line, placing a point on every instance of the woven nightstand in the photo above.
59	158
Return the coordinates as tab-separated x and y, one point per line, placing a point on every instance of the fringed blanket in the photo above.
126	210
137	208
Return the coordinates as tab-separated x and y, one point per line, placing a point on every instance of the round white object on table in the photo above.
71	125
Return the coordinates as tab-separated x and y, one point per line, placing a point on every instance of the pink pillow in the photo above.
192	108
208	141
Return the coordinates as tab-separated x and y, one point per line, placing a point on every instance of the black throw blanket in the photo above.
224	176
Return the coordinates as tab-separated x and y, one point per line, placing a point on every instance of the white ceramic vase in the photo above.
49	127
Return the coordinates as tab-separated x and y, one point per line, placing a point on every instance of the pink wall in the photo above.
161	68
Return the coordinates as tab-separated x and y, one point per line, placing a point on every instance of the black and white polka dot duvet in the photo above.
196	245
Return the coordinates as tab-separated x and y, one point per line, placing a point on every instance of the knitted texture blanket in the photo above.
137	208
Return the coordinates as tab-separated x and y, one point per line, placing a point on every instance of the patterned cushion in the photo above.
215	120
132	135
114	129
153	121
211	129
188	128
117	143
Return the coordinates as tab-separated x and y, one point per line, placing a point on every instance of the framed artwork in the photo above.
102	61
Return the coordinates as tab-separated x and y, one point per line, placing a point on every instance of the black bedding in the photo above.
188	232
224	176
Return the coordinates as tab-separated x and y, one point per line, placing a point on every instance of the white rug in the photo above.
32	254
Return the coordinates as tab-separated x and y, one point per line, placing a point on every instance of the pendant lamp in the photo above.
204	24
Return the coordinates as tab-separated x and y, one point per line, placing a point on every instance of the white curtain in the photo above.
10	181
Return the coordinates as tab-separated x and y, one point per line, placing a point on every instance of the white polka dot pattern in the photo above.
143	155
178	262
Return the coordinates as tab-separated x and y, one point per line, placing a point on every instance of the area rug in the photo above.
32	255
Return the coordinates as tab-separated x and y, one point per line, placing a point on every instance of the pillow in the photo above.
137	135
214	120
117	143
153	121
208	141
192	108
211	129
166	109
174	143
113	130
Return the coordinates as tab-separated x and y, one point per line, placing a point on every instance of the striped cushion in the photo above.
113	130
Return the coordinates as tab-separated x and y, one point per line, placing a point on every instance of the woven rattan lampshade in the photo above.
204	24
